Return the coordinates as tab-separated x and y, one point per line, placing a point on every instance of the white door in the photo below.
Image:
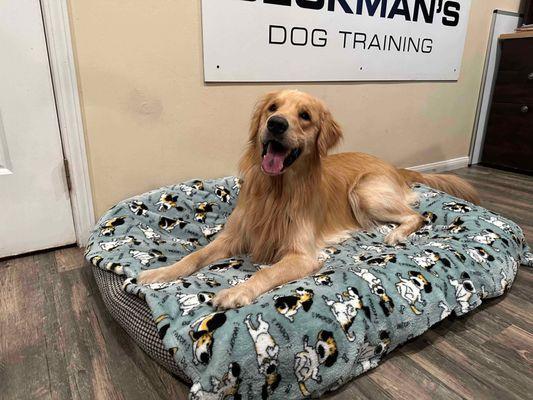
35	210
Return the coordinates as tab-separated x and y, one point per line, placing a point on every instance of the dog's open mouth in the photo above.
277	157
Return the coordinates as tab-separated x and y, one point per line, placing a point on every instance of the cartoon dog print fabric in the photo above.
289	305
312	357
202	334
464	291
167	201
225	388
376	288
346	308
411	289
188	302
306	337
267	352
370	354
107	227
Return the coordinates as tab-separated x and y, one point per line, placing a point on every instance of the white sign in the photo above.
333	40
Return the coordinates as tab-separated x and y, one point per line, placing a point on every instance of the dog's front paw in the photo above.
164	274
235	297
394	237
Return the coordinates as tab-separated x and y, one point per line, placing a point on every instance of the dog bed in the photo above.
306	337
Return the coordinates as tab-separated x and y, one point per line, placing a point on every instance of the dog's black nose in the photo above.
277	125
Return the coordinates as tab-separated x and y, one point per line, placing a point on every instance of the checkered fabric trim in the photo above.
135	317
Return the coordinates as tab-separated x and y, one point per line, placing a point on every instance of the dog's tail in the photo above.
450	184
303	389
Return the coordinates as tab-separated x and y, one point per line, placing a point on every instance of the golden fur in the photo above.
285	220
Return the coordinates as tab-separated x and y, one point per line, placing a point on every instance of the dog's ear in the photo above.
163	331
366	310
307	304
216	321
257	113
196	335
248	159
330	133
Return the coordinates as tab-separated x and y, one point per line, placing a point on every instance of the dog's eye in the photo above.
305	116
273	107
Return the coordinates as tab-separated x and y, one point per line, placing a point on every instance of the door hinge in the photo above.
67	174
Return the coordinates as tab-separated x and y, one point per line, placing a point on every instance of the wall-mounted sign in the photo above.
333	40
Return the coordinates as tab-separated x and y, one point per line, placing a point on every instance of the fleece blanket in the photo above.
310	336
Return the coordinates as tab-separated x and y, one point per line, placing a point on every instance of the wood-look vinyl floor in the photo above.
61	343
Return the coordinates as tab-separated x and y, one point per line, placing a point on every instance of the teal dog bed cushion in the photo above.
310	336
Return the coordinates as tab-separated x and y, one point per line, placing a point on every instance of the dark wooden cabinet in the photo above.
527	9
509	135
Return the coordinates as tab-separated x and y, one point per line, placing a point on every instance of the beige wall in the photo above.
151	121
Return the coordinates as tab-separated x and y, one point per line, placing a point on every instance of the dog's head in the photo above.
326	348
272	380
229	385
351	293
420	280
205	297
203	338
483	254
289	128
467	283
384	344
202	345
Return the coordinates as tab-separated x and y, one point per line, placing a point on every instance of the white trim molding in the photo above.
63	69
442	166
5	161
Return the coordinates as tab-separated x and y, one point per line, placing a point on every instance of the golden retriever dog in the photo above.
295	199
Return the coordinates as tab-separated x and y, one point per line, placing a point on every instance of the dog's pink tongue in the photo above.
273	161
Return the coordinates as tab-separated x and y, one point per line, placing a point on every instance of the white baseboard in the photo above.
442	166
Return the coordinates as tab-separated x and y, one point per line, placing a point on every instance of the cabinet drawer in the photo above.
509	137
514	87
517	55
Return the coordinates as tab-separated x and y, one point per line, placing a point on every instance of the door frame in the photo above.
65	84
